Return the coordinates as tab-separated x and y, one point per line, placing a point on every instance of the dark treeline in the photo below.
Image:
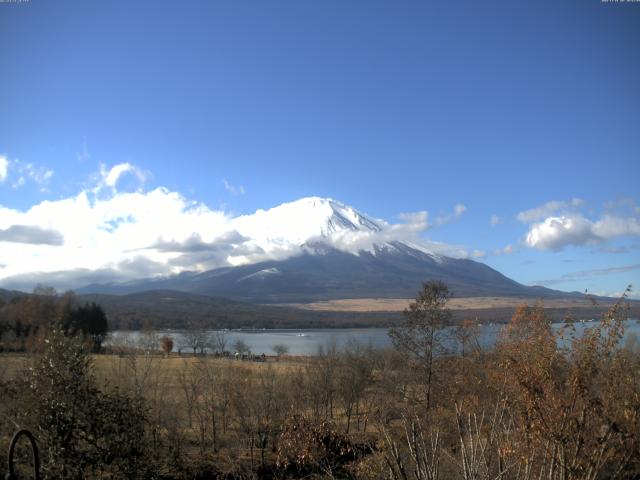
163	309
159	309
26	320
531	408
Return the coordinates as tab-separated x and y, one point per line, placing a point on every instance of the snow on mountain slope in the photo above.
306	219
261	274
311	223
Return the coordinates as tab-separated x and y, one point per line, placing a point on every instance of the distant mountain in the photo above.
323	249
8	295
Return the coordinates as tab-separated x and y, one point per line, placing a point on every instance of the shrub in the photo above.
80	428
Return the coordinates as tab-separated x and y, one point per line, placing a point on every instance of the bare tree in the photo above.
269	398
148	342
240	346
218	341
467	335
486	447
424	451
189	383
227	377
195	340
280	349
420	335
209	375
320	381
353	378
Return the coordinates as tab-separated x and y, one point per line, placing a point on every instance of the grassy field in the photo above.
105	364
240	419
178	396
399	304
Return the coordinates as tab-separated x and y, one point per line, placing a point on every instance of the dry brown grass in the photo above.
399	304
105	365
11	363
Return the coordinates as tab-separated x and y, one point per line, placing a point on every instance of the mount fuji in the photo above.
321	249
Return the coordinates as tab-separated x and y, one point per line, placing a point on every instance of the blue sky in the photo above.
392	107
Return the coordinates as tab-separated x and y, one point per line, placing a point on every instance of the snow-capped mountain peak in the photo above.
312	224
309	218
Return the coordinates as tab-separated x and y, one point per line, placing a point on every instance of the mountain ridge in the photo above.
334	274
322	249
311	249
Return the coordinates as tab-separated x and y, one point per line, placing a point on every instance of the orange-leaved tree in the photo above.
574	397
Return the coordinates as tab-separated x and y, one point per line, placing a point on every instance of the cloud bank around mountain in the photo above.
31	234
116	230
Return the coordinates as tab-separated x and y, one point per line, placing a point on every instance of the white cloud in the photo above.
611	226
111	177
40	175
555	233
506	250
458	211
27	171
239	190
613	250
548	209
4	168
597	272
494	220
418	221
617	294
84	153
584	276
479	254
103	235
433	247
556	225
23	172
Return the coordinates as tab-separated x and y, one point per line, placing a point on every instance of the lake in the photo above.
307	342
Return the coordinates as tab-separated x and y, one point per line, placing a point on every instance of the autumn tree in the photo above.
467	335
166	344
312	449
574	397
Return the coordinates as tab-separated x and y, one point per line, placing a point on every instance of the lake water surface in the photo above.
308	342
